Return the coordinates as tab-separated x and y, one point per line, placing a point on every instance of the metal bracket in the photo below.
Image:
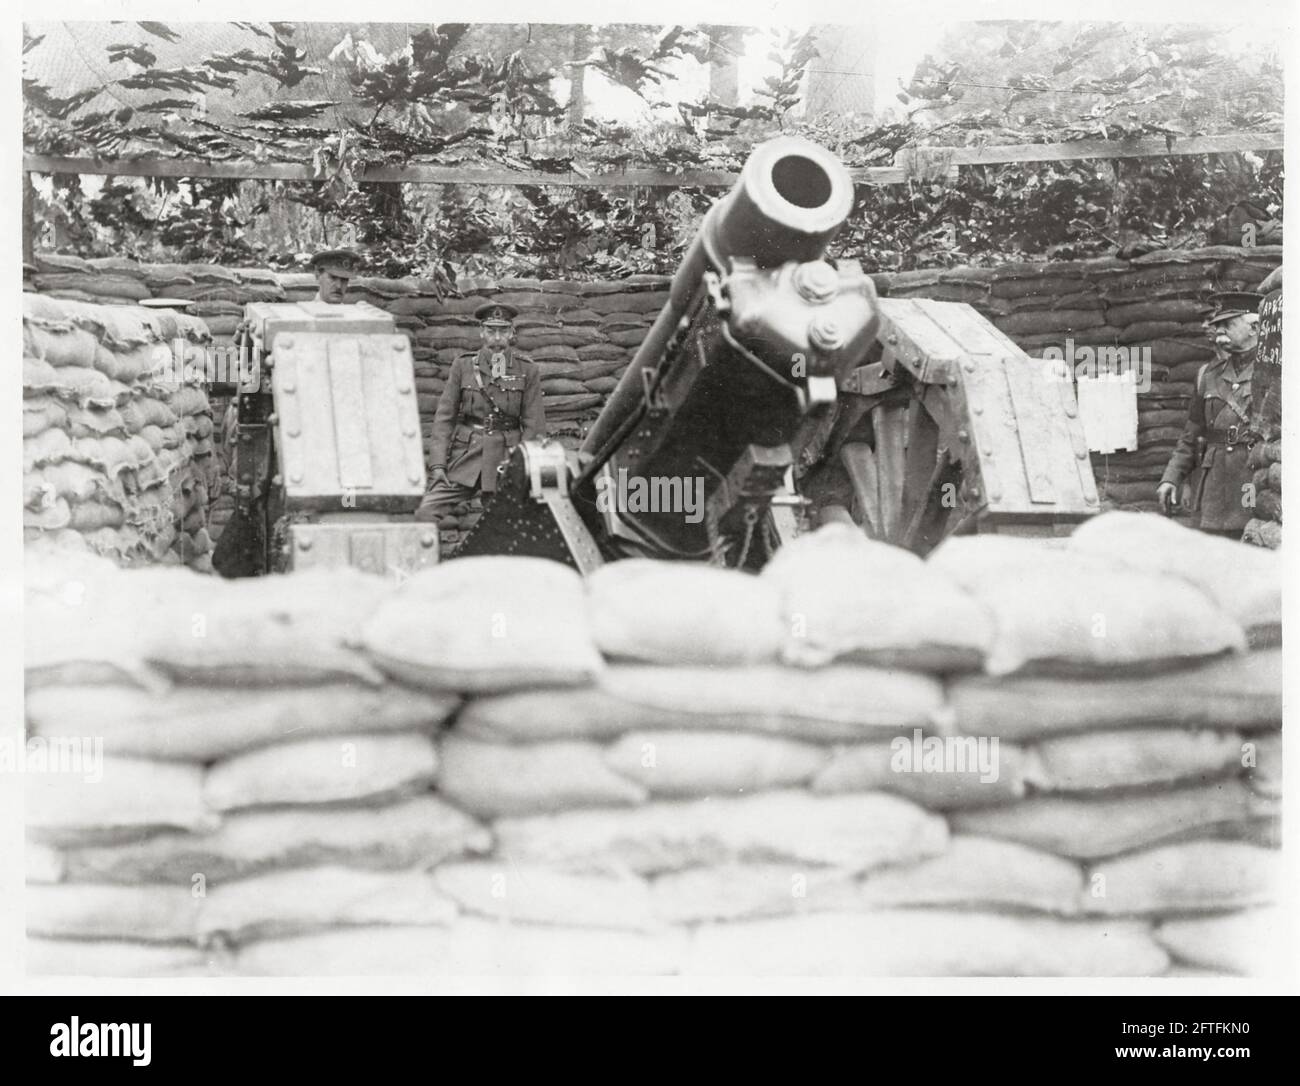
548	481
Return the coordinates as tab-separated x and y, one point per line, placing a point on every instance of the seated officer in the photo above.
333	268
492	401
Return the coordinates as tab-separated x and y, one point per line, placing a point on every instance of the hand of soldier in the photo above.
1167	496
439	475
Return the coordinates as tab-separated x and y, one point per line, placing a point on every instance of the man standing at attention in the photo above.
492	401
1213	451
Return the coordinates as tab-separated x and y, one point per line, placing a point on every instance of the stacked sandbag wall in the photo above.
1016	757
582	334
1264	529
118	451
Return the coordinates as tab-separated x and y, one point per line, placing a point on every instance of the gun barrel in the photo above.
791	199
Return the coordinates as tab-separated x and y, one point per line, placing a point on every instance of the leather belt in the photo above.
492	426
1238	434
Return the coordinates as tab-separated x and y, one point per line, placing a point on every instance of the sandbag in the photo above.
39	376
842	702
742	891
86	516
1265	774
202	724
347	767
127	363
73	347
925	943
42	864
113	799
494	779
72	480
982	872
95	421
1133	758
1056	614
151	914
420	831
47	447
545	715
296	628
1239	691
845	596
48	513
1184	878
485	625
838	702
84	624
1244	943
678	613
469	947
668	763
1245	582
1094	828
142	411
118	958
288	902
86	387
531	894
855	833
42	412
112	455
188	400
939	772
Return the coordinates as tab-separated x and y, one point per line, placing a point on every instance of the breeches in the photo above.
442	498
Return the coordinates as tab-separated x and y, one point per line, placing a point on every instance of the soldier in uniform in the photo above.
333	268
491	402
1212	453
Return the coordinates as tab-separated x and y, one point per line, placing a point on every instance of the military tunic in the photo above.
481	418
1219	413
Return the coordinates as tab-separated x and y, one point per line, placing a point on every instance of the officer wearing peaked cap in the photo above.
1210	460
333	268
492	401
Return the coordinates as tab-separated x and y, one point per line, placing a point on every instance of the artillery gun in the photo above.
328	463
774	390
775	387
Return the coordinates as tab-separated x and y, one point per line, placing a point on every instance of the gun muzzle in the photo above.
791	200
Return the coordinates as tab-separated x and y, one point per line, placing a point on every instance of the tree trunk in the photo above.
578	77
724	70
29	218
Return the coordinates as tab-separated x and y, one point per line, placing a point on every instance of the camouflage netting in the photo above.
1058	759
583	334
118	451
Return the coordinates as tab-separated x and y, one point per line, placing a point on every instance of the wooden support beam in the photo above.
909	163
1147	147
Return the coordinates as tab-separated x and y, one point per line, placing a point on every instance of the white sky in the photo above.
902	41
